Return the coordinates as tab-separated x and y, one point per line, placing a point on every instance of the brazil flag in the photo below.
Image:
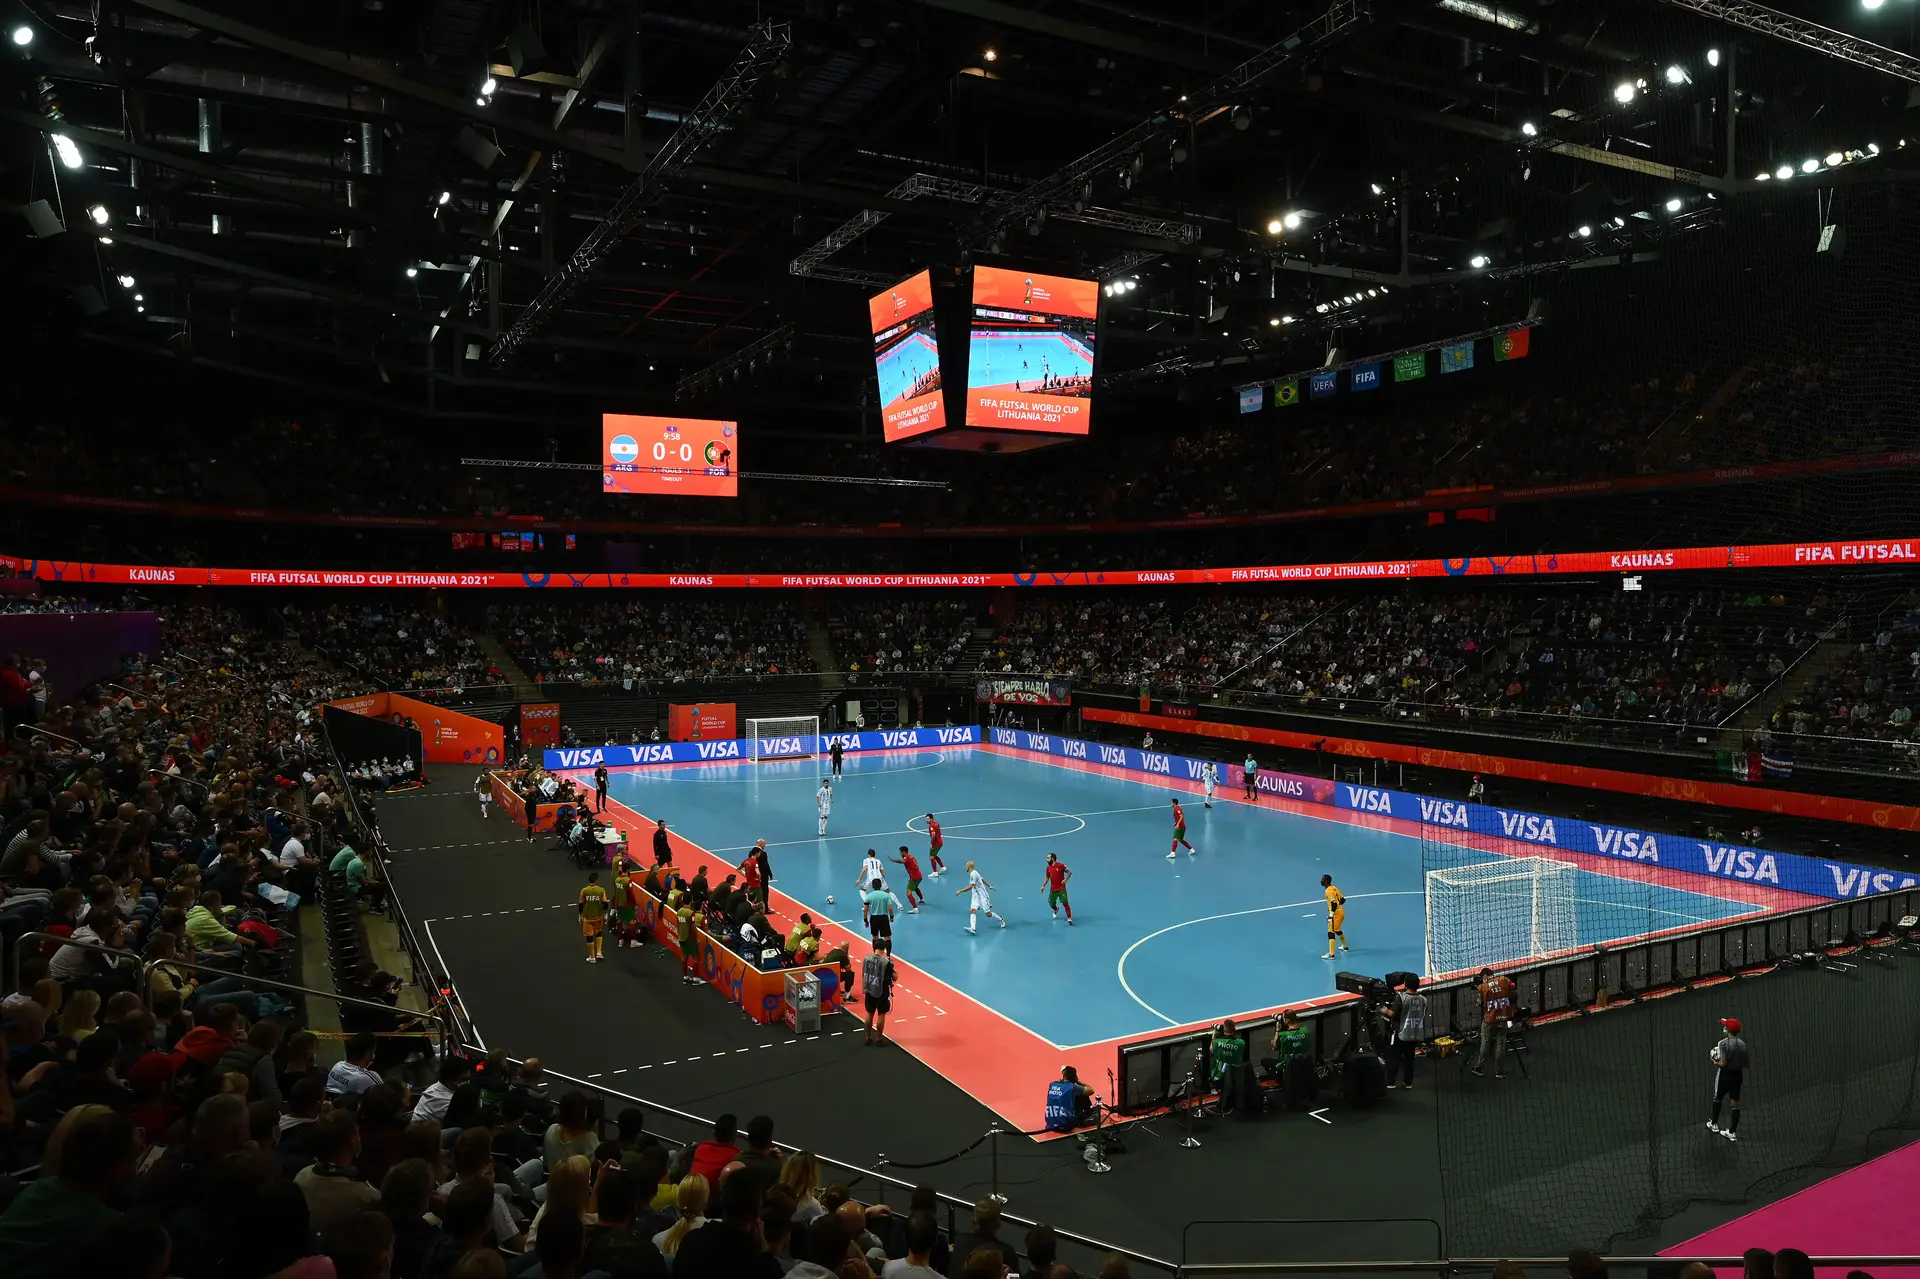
1285	393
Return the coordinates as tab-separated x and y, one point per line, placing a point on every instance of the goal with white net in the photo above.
785	737
1496	912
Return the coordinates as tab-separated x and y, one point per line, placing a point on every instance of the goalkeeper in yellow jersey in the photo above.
593	916
1336	916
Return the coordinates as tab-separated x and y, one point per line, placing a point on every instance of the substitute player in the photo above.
982	903
935	842
1210	778
1179	832
624	907
1336	916
593	915
1730	1059
911	864
1057	876
483	790
823	800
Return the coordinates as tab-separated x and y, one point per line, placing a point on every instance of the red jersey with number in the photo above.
1056	877
1179	816
933	833
911	865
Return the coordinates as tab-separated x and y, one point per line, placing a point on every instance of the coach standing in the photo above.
1730	1060
662	846
600	787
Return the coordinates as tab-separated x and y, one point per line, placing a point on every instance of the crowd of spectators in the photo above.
911	633
1871	693
637	642
398	647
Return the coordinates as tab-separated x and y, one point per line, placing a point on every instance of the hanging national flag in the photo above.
1285	393
1410	368
1321	385
1512	345
1251	398
1365	377
1456	357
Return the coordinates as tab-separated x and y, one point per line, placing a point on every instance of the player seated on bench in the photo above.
1070	1103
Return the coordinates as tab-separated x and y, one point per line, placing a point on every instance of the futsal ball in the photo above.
1715	1054
830	902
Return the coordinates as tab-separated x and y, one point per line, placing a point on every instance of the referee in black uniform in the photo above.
835	752
600	787
1731	1058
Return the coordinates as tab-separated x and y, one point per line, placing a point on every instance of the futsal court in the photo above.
999	358
901	368
1237	927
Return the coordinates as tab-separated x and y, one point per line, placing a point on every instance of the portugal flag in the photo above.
1285	393
1513	346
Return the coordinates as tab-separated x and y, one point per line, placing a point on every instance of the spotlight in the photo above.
990	56
68	150
1784	172
445	196
1623	92
1834	159
106	239
1477	261
1292	220
1809	166
1713	57
1107	289
126	281
486	90
1275	226
1373	293
1584	232
99	214
1376	188
1676	74
1873	148
1864	4
1274	323
412	271
1762	176
1242	118
22	36
1286	319
139	297
1673	205
1530	129
1321	309
1619	221
141	309
479	102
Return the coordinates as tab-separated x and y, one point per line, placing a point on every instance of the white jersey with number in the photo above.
823	800
982	891
870	870
1211	776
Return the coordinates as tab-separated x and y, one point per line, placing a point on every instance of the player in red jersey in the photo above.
911	863
750	876
1179	832
1057	877
934	844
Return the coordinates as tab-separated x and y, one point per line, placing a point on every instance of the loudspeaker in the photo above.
42	220
476	148
1538	310
1364	1080
1335	356
526	51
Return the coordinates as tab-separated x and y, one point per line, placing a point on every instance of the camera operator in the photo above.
1228	1049
1290	1040
1069	1102
1407	1014
1496	1018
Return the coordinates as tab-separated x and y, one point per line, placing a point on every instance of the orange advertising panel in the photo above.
692	457
762	994
1030	352
706	722
540	725
906	358
449	737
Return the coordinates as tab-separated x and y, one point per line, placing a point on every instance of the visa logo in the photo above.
907	738
1741	863
1858	881
655	753
771	746
1369	800
847	741
1157	764
1116	755
580	758
1196	768
1073	749
1443	812
1527	826
1005	737
951	736
1040	743
1634	845
725	750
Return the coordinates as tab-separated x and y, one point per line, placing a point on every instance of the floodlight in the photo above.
68	151
1292	220
22	36
1673	205
1623	92
1809	166
99	214
1478	260
1275	226
1530	128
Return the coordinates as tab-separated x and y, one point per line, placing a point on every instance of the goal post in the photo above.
1496	912
783	737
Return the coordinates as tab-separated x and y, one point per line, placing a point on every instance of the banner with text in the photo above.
706	722
539	725
741	748
1027	692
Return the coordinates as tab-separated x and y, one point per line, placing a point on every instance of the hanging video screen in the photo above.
906	357
1030	352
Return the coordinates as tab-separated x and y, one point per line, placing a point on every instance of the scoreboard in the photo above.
694	457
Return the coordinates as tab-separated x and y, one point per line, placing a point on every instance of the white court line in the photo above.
911	829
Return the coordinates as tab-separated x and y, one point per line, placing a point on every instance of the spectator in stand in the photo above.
454	1071
354	1075
710	1156
985	1236
405	1196
732	1246
613	1245
922	1234
88	1157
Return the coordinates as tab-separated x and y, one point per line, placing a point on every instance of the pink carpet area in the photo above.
1865	1212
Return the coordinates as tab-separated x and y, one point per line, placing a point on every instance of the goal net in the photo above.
1496	912
785	737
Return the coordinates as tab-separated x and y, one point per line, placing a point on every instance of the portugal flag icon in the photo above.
1513	346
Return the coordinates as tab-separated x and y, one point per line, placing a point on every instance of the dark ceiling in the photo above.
320	195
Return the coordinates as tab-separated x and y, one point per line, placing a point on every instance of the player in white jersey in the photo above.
982	903
1210	775
870	870
823	800
483	788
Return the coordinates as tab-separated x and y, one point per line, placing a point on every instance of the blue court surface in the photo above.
1240	926
1002	358
901	369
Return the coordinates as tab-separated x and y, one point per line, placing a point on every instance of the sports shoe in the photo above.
1730	1134
1193	852
1478	1071
1170	856
913	910
972	932
1713	1127
1003	923
1069	921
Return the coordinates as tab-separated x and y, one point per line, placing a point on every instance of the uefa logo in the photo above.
624	449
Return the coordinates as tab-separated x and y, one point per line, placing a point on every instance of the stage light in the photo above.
1107	289
412	271
486	90
1478	260
1286	319
1292	221
1673	205
1275	226
1835	159
1241	117
1274	323
990	56
22	36
1376	188
126	281
1864	4
139	297
1873	148
479	102
1373	293
68	151
1619	221
1762	176
1676	74
106	239
141	309
1321	309
1623	92
1713	57
1530	128
99	214
445	196
1784	172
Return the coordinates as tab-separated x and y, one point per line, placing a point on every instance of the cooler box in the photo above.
803	1002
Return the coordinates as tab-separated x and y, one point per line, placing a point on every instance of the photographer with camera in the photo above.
1407	1015
1070	1103
1496	1019
1228	1050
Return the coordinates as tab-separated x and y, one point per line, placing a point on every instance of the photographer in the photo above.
1496	1018
1069	1102
1407	1014
1228	1049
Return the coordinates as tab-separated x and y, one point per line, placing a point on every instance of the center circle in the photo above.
988	825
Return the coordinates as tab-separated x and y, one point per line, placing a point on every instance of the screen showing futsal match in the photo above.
906	354
683	455
1030	354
